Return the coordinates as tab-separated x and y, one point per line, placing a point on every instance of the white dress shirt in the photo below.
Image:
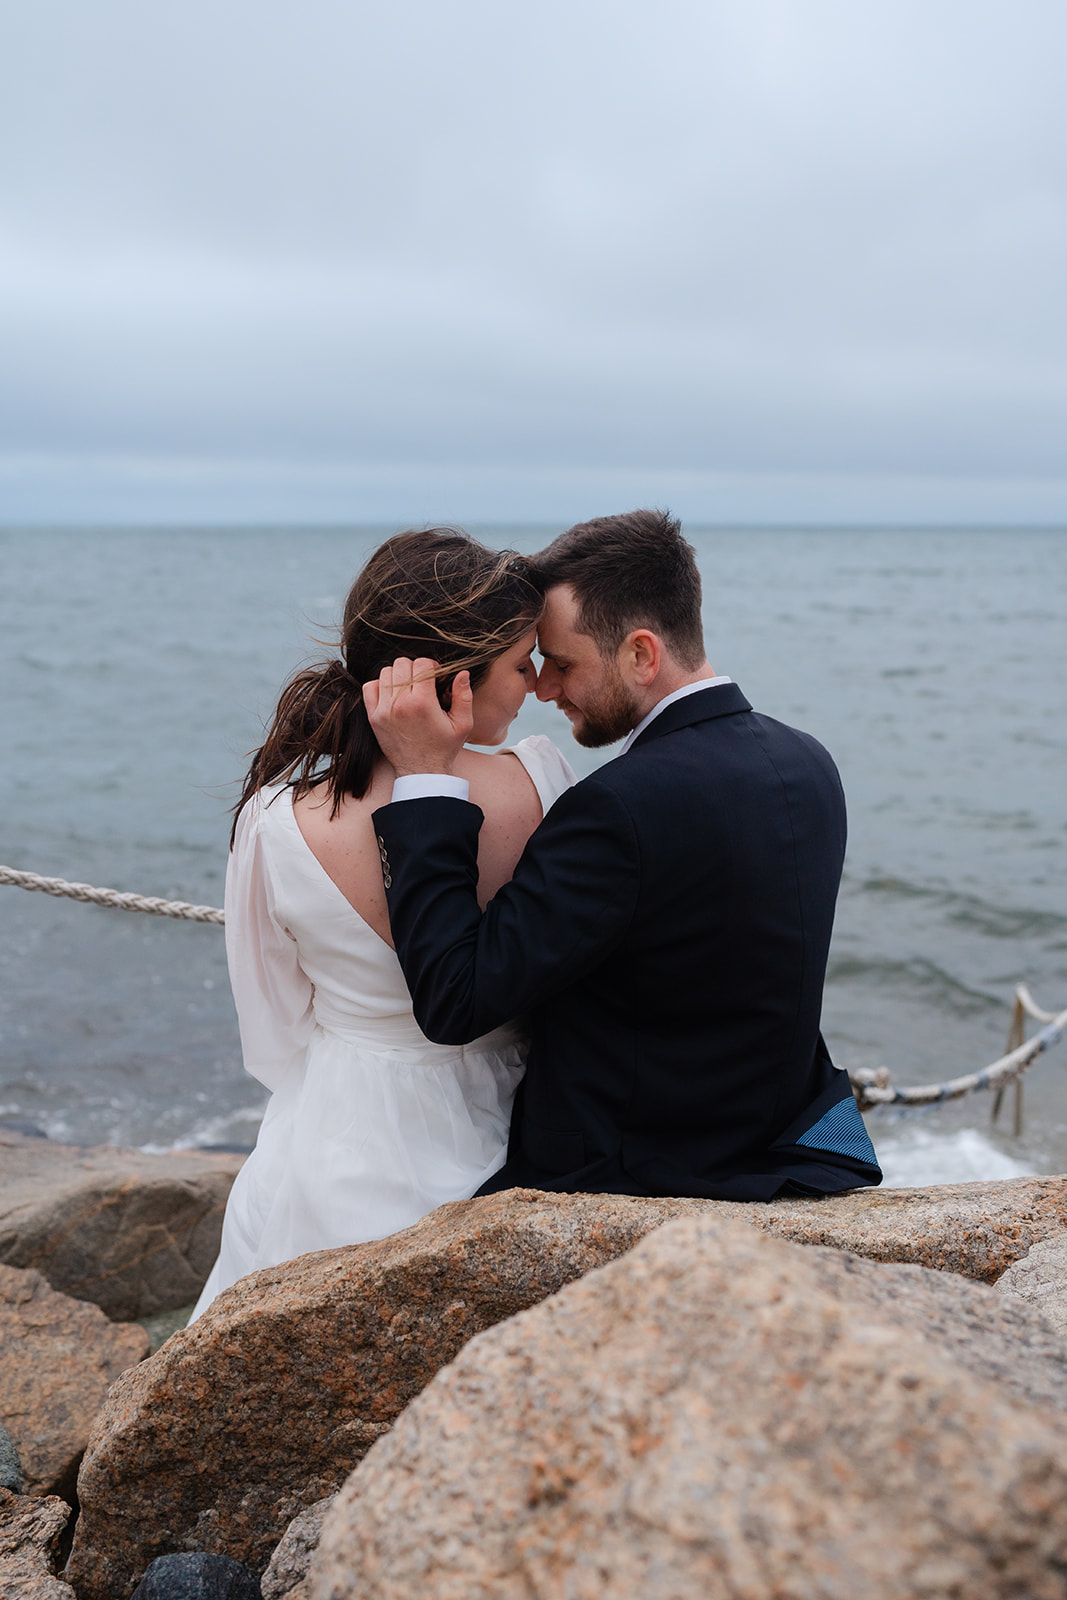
668	700
430	786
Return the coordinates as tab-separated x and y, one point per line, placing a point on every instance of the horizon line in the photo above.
333	525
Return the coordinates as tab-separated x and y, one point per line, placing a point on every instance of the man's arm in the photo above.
570	902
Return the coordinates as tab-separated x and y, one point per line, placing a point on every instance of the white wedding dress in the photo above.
369	1125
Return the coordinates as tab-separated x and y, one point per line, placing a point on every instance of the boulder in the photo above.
31	1534
266	1404
720	1414
197	1577
288	1566
135	1234
58	1357
1006	1344
975	1229
269	1400
1039	1280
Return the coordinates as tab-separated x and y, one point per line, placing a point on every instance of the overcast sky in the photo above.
760	260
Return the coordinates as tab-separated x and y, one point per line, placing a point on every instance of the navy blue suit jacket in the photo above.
665	937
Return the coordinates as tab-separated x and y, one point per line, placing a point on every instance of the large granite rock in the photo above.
31	1531
266	1404
723	1415
58	1357
1006	1344
134	1234
1039	1280
975	1229
288	1567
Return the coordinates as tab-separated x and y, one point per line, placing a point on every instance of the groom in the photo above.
666	931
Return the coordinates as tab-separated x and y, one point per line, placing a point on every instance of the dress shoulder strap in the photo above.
549	770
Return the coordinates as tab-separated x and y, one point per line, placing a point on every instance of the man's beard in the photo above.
609	718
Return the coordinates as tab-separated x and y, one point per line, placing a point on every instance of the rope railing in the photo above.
871	1085
116	899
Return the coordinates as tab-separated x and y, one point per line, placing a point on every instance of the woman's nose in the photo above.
547	682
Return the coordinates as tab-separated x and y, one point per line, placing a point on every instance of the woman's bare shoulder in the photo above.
501	786
499	781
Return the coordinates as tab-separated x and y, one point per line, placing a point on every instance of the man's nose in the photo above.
547	686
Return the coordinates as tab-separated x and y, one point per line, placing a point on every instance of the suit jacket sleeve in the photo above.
570	902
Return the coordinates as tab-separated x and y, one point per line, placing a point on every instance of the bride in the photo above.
369	1125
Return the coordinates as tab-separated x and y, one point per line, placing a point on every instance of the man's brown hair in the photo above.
630	571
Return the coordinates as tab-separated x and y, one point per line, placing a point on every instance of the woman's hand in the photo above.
414	731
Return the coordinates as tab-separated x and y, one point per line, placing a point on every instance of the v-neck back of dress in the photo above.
370	1125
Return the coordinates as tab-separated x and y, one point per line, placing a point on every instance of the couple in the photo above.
623	976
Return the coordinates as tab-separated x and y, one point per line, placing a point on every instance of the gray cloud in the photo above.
703	243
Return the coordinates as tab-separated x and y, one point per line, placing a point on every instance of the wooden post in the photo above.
1016	1037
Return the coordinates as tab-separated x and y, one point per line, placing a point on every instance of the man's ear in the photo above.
643	656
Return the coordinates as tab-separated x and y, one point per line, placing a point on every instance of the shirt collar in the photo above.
668	700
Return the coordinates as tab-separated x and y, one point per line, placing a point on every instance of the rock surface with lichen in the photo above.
31	1534
267	1403
58	1358
722	1414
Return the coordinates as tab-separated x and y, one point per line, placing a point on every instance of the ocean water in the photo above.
138	666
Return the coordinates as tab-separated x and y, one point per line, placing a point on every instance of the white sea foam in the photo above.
966	1156
238	1127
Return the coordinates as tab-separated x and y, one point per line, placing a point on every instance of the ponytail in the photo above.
432	592
320	732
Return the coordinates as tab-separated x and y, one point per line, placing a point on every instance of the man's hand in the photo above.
414	731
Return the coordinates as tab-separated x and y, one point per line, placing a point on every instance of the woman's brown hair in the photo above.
434	593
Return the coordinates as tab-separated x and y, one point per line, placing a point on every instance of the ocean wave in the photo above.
922	1157
969	910
237	1129
919	978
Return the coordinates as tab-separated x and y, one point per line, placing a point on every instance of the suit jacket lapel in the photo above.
726	700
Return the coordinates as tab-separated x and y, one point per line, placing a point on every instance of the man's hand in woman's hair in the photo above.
415	732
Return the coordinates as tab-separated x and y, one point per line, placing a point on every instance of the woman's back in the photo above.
307	924
345	846
370	1125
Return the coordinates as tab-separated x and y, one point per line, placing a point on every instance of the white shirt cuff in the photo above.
430	786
